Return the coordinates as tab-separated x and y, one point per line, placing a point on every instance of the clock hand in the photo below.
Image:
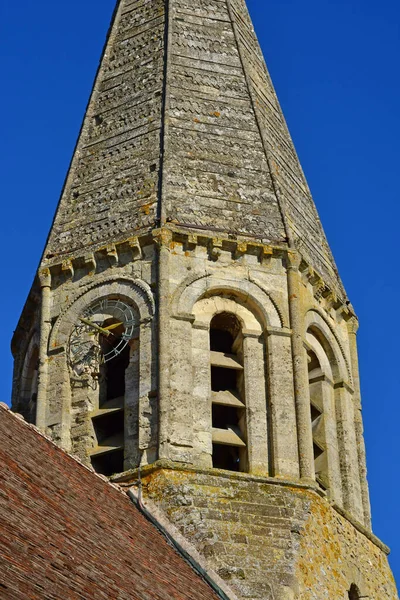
96	327
113	326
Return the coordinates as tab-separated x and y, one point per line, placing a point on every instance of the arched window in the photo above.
113	375
322	371
30	386
354	593
108	420
332	394
229	433
315	378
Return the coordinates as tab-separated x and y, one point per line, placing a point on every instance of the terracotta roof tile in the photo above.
67	534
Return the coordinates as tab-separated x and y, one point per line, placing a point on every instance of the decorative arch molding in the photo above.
206	308
320	353
283	315
132	290
33	344
25	346
245	292
316	322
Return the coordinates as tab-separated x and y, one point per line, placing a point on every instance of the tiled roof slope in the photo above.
184	125
67	534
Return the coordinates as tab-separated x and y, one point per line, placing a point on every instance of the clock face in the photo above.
102	332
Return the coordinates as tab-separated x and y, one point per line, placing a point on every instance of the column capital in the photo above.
353	325
294	260
162	237
251	333
44	278
279	331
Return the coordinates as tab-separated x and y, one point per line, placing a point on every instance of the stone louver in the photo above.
184	126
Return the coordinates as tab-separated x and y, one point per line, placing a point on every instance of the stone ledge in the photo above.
129	478
362	529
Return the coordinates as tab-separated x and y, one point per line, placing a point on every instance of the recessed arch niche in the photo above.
104	403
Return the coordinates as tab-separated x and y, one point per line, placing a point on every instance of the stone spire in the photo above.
184	127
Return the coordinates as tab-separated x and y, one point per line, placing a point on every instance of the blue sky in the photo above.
335	64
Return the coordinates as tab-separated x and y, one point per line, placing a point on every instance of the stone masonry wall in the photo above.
271	541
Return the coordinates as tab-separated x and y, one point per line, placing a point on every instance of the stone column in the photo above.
300	370
181	409
323	396
64	391
202	406
256	403
352	327
148	405
162	238
348	451
45	325
282	410
131	414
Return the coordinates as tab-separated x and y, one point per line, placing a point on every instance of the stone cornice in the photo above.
215	244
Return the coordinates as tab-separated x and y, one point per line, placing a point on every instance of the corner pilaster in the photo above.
352	327
162	238
299	356
45	325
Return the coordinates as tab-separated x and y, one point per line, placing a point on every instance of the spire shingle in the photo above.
184	125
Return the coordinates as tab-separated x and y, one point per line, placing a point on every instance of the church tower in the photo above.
188	317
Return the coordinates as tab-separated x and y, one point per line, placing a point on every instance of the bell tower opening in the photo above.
31	386
227	392
113	376
317	420
108	421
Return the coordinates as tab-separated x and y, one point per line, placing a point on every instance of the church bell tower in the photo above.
188	317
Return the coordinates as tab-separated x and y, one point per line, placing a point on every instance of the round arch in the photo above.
133	291
320	353
206	308
316	327
32	348
357	585
245	293
29	375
